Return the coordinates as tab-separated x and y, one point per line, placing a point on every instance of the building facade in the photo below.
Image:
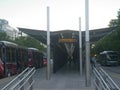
5	27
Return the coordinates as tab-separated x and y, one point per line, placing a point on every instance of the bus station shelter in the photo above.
65	43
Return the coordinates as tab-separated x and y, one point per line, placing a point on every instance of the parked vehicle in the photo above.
14	58
108	58
35	58
8	65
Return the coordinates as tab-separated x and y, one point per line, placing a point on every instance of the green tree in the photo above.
118	18
109	42
28	41
4	36
115	22
25	41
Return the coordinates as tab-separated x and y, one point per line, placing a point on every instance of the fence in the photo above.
103	81
23	81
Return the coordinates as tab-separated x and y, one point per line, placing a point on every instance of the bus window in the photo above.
0	53
8	54
108	58
13	54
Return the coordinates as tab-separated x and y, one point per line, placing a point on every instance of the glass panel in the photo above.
0	53
8	55
13	50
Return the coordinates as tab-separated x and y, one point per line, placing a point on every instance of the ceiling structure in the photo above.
55	36
65	43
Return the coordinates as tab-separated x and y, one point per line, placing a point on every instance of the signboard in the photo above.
67	40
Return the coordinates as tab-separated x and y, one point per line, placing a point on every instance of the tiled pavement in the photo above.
67	78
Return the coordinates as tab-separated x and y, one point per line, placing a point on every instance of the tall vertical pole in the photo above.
48	44
80	47
88	79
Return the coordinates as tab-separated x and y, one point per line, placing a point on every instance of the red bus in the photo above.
7	58
14	58
22	58
35	58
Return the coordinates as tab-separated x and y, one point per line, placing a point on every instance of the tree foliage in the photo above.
118	18
111	41
25	41
115	22
28	41
4	36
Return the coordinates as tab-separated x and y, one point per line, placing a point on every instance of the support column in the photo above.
80	47
88	77
48	46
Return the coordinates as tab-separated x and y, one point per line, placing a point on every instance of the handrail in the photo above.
19	82
100	79
103	80
21	74
24	78
27	79
113	83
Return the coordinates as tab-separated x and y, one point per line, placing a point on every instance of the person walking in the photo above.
93	62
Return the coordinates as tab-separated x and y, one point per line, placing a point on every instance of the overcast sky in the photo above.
64	14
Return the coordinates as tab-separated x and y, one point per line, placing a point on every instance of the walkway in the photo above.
67	78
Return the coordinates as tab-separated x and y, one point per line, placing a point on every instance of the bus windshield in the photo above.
113	55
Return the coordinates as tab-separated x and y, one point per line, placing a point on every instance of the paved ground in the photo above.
114	72
67	78
5	81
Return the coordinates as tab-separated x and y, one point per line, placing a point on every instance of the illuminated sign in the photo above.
67	40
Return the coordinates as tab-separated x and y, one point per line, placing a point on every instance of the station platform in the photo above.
68	78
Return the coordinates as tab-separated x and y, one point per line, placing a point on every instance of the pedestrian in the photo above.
19	66
93	61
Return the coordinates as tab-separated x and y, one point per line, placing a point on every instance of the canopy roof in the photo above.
41	35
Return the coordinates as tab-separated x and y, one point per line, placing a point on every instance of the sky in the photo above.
64	14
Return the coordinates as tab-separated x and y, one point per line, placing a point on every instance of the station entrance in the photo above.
65	44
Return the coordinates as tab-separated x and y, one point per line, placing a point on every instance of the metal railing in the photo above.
23	81
103	81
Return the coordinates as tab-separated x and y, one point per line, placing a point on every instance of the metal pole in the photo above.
48	45
80	47
88	79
